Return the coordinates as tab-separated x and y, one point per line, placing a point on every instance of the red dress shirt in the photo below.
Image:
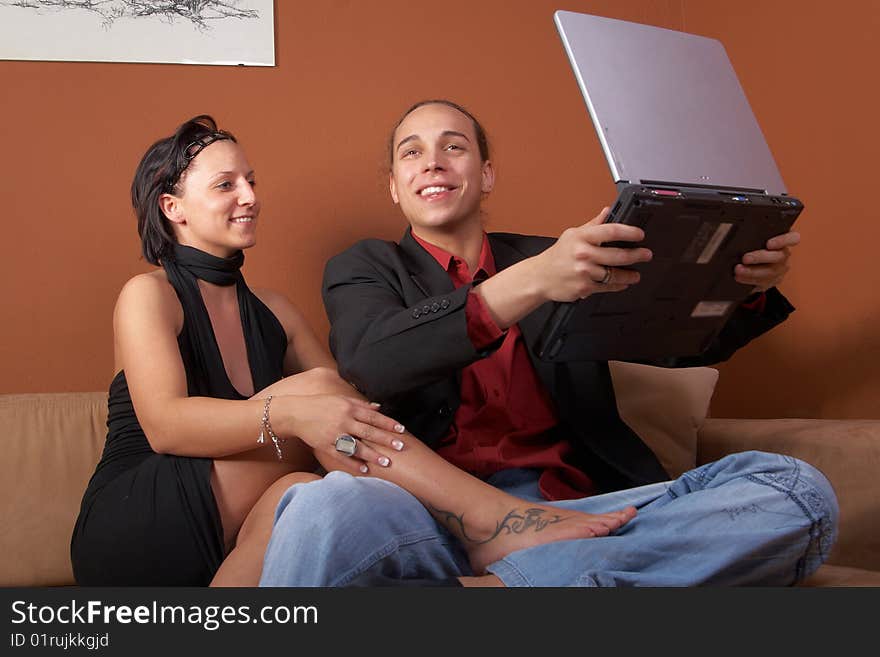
505	414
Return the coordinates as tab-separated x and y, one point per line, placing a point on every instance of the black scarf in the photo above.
264	336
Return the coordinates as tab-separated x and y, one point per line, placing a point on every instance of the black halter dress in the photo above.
150	519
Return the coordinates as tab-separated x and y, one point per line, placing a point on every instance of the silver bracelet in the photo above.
266	428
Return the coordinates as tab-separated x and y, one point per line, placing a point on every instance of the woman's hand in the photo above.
578	264
319	420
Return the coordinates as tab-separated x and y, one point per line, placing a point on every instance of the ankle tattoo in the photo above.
516	521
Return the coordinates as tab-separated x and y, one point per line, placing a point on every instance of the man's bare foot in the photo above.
528	525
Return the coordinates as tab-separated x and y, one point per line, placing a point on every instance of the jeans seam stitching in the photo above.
816	524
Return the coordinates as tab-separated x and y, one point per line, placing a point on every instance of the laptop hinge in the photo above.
668	183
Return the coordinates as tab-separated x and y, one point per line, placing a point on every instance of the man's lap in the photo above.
368	524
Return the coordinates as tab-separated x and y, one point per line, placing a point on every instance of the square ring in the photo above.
346	444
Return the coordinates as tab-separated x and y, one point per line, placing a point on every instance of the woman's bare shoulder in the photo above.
149	293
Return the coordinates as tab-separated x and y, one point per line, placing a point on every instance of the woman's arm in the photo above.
147	320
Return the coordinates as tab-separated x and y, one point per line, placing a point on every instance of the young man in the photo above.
437	328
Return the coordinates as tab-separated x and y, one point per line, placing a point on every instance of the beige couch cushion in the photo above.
829	575
51	443
666	407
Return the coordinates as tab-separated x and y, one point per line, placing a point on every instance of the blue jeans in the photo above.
749	518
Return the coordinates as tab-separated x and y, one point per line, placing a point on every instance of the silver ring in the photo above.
607	277
346	444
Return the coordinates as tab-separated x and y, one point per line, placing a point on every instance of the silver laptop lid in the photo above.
667	106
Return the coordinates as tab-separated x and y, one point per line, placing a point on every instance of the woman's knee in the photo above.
291	479
263	512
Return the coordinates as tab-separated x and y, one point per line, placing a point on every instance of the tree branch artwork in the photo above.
198	12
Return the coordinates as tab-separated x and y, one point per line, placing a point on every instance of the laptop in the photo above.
692	170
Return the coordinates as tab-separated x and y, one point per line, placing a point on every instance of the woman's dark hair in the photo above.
482	140
160	172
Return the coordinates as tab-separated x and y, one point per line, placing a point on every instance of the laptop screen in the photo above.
667	106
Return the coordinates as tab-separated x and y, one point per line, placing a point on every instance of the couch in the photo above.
52	441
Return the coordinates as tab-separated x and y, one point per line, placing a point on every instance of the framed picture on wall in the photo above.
221	32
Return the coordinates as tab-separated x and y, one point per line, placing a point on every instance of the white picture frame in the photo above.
216	32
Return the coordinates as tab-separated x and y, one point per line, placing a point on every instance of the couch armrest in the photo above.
51	443
846	451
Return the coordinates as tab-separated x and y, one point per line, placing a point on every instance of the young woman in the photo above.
439	328
201	420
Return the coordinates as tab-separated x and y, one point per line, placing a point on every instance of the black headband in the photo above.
194	148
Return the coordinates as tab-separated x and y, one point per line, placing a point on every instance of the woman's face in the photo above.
217	208
437	176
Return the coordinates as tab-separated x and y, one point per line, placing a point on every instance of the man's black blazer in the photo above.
399	335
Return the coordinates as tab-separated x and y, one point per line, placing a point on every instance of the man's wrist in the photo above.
534	286
512	293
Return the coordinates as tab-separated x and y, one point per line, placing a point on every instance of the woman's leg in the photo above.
747	519
244	564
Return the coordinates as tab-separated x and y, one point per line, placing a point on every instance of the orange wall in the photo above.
315	127
810	70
